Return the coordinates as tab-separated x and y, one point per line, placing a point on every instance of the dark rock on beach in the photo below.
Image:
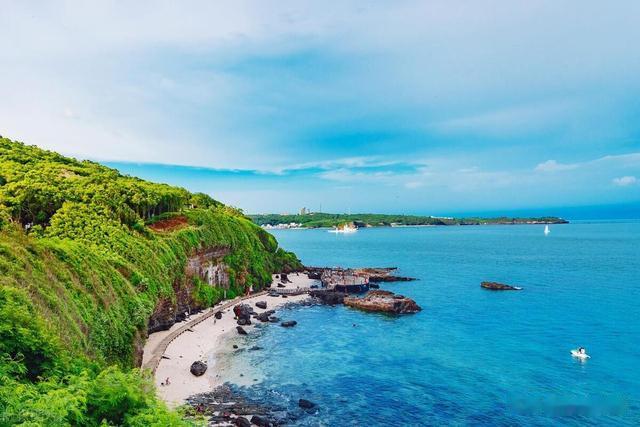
261	304
241	422
264	317
198	368
289	323
260	421
241	330
495	286
218	315
280	285
243	311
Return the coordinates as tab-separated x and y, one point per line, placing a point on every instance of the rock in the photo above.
284	296
241	330
235	346
241	422
280	285
218	315
289	323
328	297
274	319
255	348
198	368
264	317
384	302
243	311
495	286
243	322
259	420
284	278
306	404
261	304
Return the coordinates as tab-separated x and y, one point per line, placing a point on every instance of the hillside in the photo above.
316	220
90	261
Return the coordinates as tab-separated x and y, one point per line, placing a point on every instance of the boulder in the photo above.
280	285
306	404
289	323
260	421
241	422
243	311
274	319
284	278
243	322
198	368
261	304
495	286
264	317
218	315
383	302
241	330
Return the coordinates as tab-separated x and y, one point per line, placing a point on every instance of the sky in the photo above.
404	107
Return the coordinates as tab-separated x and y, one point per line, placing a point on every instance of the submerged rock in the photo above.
306	404
198	368
384	302
241	330
495	286
289	323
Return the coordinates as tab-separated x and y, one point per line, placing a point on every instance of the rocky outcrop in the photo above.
306	404
328	297
372	274
198	368
243	311
495	286
383	302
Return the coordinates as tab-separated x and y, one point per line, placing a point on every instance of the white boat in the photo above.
546	230
580	355
345	228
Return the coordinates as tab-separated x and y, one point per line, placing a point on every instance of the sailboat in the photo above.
546	230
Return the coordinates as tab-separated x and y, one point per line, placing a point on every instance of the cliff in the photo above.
90	261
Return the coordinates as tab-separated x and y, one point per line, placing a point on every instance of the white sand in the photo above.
208	340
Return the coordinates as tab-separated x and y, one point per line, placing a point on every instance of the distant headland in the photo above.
327	220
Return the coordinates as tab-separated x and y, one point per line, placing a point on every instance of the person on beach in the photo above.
167	382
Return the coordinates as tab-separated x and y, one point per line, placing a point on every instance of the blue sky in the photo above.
416	107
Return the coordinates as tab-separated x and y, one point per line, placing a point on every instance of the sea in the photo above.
471	357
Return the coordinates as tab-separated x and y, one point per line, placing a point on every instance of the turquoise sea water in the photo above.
471	357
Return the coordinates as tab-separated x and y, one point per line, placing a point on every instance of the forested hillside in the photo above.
86	256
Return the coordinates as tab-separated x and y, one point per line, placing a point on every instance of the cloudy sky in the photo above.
404	106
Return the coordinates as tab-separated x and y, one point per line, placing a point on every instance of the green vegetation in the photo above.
316	220
83	262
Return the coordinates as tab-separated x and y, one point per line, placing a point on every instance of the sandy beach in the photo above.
206	341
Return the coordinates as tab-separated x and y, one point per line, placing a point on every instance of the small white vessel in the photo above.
344	228
546	230
580	353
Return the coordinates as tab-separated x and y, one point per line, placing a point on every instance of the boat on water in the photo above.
344	228
546	230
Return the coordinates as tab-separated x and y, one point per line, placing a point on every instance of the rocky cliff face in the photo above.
209	267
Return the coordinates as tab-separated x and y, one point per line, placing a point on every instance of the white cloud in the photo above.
625	181
554	166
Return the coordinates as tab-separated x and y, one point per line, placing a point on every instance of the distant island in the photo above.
328	220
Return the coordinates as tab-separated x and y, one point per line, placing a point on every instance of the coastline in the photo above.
208	341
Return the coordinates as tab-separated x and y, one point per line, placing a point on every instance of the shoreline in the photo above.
209	341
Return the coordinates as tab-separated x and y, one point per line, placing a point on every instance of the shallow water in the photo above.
471	357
